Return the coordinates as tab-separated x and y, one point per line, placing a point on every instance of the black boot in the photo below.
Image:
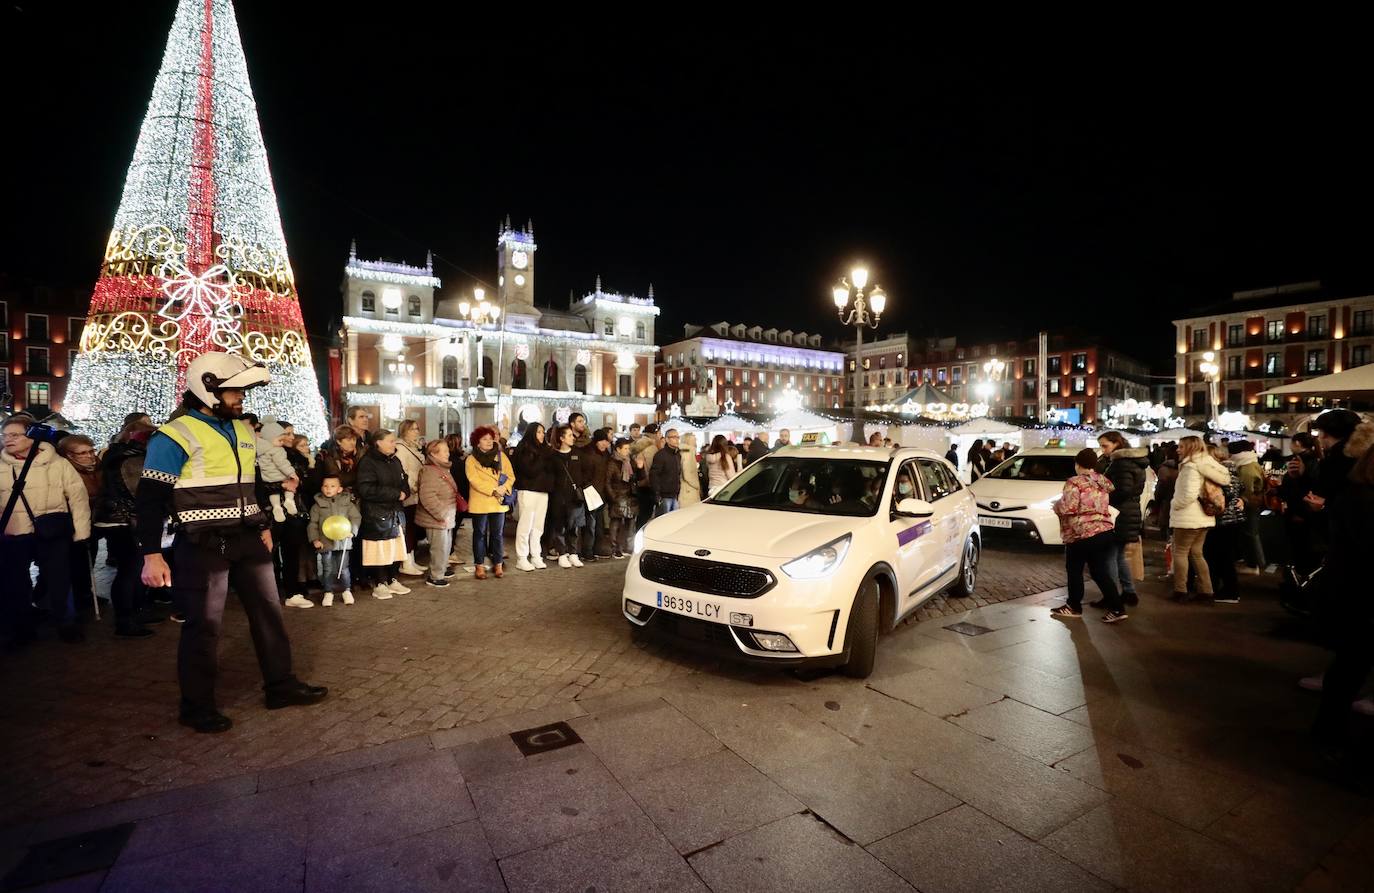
294	693
206	720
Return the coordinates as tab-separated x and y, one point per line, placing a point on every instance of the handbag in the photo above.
592	498
53	525
509	499
1135	558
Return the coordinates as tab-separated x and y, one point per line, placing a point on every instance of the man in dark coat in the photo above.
1125	467
758	449
665	477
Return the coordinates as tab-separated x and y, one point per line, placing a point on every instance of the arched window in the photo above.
488	379
450	372
518	374
414	305
550	374
369	302
580	379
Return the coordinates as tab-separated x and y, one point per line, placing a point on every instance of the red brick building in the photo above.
40	334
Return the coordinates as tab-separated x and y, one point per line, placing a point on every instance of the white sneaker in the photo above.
454	559
563	561
299	601
347	597
411	569
1364	706
277	514
381	591
327	601
396	587
1311	683
576	562
538	563
523	564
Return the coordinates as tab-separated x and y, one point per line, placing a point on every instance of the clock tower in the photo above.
515	269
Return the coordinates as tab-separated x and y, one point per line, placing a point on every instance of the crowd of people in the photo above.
1209	500
579	496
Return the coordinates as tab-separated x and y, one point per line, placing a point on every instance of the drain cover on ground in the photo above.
968	629
69	856
544	738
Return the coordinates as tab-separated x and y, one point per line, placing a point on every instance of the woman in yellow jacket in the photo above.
491	480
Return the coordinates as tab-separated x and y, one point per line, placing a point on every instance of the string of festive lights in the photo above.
196	259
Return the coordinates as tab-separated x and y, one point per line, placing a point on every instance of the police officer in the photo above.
200	471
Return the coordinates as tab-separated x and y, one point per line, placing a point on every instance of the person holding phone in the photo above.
491	481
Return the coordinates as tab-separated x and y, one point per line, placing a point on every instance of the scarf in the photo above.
626	472
491	458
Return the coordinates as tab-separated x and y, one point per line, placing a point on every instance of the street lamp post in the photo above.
992	377
479	312
1211	371
862	313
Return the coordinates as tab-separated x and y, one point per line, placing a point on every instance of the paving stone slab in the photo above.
796	854
935	692
334	764
702	801
1037	734
453	858
1189	795
964	850
549	801
770	734
280	812
646	737
381	803
1130	847
260	863
864	796
142	807
630	855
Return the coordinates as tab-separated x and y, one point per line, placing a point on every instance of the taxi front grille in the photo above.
700	575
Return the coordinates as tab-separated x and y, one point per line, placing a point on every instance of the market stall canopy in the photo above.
926	393
1359	380
801	420
1174	434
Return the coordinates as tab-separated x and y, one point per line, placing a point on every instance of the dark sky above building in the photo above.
1068	174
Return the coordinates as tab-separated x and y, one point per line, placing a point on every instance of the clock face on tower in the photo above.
519	260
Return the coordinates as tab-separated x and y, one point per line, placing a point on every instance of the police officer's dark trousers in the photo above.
201	576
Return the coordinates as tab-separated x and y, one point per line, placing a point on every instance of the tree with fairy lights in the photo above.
196	260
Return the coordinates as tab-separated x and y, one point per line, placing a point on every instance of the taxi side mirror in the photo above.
914	508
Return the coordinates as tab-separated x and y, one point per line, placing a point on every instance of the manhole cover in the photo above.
968	629
544	738
69	856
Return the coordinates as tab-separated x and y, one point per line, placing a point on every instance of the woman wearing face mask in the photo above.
906	488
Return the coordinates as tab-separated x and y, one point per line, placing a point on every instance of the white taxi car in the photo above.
1018	495
806	555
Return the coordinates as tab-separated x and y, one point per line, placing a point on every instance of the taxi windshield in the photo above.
813	485
1035	468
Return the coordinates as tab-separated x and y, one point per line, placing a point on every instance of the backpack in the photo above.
1212	498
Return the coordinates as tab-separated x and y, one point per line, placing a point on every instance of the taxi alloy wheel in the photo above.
968	569
862	632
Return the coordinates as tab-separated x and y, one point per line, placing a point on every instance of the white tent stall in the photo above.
962	436
806	426
1174	434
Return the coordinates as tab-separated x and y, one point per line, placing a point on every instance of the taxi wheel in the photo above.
863	631
968	569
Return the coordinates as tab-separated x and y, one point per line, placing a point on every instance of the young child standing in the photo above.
438	508
276	470
333	554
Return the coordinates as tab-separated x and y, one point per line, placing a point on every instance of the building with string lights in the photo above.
474	357
749	367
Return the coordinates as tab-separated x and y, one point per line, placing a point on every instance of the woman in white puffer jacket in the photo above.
1189	522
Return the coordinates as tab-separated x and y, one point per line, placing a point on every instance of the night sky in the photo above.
993	183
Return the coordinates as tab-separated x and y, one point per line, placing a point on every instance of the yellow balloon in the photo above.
336	527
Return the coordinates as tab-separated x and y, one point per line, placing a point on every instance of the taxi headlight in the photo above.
820	562
638	545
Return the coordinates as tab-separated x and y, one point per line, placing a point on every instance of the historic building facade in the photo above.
408	353
1268	337
40	334
750	368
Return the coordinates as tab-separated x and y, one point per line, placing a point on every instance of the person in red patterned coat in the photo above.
1085	521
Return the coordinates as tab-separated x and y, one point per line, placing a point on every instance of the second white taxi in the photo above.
805	556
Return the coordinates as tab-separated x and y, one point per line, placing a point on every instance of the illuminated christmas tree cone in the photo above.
197	260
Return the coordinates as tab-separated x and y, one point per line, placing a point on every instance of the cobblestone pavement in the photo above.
1168	753
95	723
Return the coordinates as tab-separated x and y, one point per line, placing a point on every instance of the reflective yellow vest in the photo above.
216	487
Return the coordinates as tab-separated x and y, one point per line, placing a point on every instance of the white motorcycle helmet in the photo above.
213	372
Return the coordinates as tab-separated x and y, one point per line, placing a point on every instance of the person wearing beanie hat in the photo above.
1333	428
1252	486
